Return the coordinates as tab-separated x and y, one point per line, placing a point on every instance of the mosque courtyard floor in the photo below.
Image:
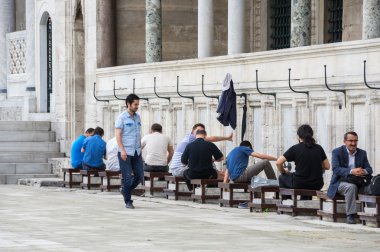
58	219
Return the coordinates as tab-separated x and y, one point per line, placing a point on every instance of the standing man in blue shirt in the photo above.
76	154
128	137
94	149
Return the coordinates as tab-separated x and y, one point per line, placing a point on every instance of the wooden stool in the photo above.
71	172
170	180
230	187
202	183
323	198
363	216
259	192
89	174
108	175
294	209
151	175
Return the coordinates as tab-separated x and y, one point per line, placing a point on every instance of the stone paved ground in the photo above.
55	219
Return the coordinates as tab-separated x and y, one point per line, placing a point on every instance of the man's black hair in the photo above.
130	99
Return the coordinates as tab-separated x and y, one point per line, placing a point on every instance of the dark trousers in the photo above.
155	168
287	180
188	175
130	181
88	167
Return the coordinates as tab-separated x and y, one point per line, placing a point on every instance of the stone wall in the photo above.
271	124
352	20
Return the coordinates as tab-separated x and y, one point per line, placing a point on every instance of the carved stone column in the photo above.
205	28
236	33
371	19
153	31
7	25
300	23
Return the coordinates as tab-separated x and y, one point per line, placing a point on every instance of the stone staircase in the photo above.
24	150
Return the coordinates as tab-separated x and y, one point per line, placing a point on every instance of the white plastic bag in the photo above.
257	181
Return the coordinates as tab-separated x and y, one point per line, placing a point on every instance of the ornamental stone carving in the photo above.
17	56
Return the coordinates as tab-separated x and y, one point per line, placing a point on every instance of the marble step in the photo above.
55	182
24	126
25	168
28	157
13	178
30	146
27	136
237	196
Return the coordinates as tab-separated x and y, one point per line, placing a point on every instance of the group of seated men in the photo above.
195	155
89	149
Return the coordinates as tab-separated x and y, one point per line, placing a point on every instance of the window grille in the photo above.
280	24
49	62
334	21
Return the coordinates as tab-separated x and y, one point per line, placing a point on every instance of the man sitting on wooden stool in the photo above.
199	156
76	147
349	163
94	148
159	150
237	164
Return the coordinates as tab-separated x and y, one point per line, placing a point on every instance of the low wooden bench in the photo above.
294	209
89	174
176	191
150	176
70	172
259	192
202	184
373	217
230	187
337	200
108	175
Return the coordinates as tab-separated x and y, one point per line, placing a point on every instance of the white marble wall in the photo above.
271	129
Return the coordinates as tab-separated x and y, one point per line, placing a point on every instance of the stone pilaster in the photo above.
205	28
371	19
105	33
7	25
236	33
153	31
30	99
300	23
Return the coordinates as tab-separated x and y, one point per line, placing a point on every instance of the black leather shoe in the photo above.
350	219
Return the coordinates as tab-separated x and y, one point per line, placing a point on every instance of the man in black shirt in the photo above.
310	160
199	156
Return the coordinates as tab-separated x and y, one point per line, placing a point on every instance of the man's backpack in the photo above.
375	185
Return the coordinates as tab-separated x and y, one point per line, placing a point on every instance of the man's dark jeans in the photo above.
156	168
129	182
88	167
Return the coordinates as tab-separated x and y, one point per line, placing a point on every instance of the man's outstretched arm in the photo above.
219	138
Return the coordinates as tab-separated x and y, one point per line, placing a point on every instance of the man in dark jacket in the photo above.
349	160
199	156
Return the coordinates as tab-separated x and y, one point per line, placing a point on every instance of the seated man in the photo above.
348	160
199	156
310	160
112	159
176	166
237	162
76	154
159	150
94	149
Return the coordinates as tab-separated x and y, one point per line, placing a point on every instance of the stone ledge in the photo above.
39	182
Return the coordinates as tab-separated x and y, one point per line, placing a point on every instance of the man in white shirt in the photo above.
112	159
159	150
